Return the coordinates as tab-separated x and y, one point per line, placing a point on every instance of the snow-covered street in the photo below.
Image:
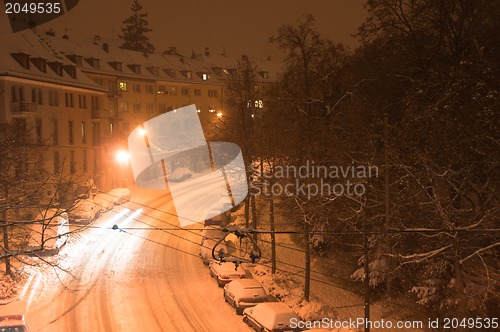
128	280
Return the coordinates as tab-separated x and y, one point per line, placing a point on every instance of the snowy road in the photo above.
147	280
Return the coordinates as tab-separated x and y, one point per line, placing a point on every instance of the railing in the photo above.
23	107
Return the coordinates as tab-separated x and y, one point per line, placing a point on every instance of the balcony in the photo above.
101	114
23	108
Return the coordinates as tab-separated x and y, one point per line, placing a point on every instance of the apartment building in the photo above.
84	98
57	105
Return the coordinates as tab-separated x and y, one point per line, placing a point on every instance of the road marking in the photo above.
33	291
26	286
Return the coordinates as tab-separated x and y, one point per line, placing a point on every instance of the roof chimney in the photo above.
97	39
105	47
207	51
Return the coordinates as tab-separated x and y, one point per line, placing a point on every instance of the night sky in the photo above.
238	26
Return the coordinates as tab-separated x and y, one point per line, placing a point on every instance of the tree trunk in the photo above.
6	244
254	217
307	282
273	236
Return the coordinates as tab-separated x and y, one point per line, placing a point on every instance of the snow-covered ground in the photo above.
135	278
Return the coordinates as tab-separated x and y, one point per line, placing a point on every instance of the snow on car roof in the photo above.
11	320
269	314
119	191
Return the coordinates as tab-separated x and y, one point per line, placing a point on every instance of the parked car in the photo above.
270	317
118	196
225	272
206	250
103	202
180	174
13	323
244	293
84	211
212	232
50	231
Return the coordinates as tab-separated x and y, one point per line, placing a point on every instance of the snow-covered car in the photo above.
50	231
206	250
244	293
118	196
180	174
225	272
84	211
103	202
13	323
271	317
212	232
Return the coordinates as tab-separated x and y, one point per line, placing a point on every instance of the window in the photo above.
185	91
55	133
69	99
136	88
172	90
149	88
150	107
259	104
17	93
137	107
40	96
122	86
197	92
37	96
84	132
72	163
70	132
95	103
204	76
123	107
212	93
99	81
38	130
84	160
53	98
82	101
161	89
96	133
162	108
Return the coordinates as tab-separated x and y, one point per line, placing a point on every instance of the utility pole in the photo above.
366	267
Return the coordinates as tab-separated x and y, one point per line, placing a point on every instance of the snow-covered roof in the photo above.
25	55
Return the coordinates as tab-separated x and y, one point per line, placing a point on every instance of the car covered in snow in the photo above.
225	272
84	211
180	174
213	232
118	196
206	250
103	202
271	317
244	293
13	323
49	231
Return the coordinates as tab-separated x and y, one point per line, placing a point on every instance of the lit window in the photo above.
122	86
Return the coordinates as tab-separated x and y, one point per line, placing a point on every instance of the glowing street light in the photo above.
219	114
142	131
122	157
